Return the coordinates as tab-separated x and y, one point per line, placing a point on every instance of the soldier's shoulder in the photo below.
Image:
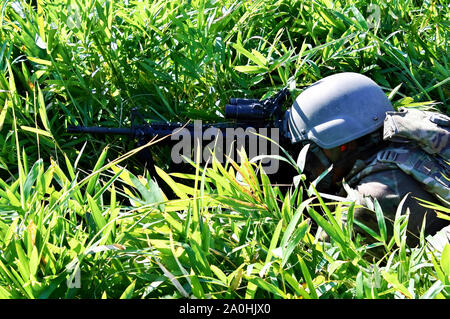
440	239
388	181
389	187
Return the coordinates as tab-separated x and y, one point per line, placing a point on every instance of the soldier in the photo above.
342	116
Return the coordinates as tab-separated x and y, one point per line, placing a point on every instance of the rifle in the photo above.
244	113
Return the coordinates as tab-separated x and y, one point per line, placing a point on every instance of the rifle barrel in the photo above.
100	130
160	129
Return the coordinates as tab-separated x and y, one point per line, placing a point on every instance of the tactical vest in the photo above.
420	148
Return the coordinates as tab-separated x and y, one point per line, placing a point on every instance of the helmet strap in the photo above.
327	180
320	155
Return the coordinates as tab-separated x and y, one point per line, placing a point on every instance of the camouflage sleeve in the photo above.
440	239
389	187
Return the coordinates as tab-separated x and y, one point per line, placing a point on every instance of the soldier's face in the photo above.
337	156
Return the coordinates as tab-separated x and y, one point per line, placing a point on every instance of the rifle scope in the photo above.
245	109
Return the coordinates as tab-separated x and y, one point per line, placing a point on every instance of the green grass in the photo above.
78	205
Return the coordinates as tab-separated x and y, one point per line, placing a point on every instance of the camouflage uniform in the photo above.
389	176
440	239
415	164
